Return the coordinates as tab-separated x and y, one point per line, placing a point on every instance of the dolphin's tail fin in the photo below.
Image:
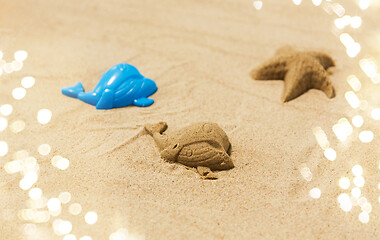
89	97
156	128
73	91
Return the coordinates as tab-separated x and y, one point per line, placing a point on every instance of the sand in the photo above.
200	54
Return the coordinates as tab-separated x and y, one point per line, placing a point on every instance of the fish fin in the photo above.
170	153
106	101
73	91
206	173
143	102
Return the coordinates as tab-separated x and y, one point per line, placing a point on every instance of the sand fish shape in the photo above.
122	85
301	71
203	146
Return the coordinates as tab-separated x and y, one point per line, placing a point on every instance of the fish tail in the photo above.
156	128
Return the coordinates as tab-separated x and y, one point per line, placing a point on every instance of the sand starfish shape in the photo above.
300	71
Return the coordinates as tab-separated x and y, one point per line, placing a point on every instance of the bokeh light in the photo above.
362	201
321	138
343	197
91	217
85	238
306	173
44	116
30	229
3	124
69	237
17	126
13	166
18	93
353	50
28	180
35	193
364	217
344	183
121	234
352	99
62	163
6	109
317	2
364	4
346	206
315	193
338	9
342	129
75	209
346	39
330	154
65	227
44	149
366	207
53	204
356	22
369	67
8	68
357	121
34	215
258	4
356	192
366	136
297	2
3	148
357	170
28	82
16	65
354	82
359	181
20	55
375	113
64	197
340	23
21	155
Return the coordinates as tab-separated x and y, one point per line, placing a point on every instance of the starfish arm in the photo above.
286	50
296	82
324	59
321	82
305	74
274	69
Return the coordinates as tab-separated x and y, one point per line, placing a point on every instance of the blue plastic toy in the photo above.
122	85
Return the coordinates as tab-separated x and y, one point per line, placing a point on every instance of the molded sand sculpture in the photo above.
203	146
301	71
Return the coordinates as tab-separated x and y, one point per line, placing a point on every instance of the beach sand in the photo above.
200	54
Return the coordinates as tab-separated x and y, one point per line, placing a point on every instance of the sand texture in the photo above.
200	53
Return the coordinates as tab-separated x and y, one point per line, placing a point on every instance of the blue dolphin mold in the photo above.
122	85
